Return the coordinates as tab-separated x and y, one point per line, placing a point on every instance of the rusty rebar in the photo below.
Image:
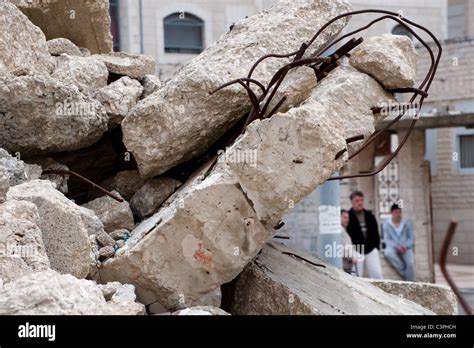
91	183
303	258
326	64
279	225
354	138
281	237
442	262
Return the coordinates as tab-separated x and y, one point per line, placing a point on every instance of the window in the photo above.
466	147
401	30
183	33
456	21
464	150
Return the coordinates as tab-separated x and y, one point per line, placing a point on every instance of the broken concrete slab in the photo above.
390	59
296	88
86	23
201	310
23	45
436	297
91	221
275	159
136	66
39	114
150	83
203	239
146	201
64	233
21	243
287	148
183	119
86	73
50	293
119	98
113	214
59	46
279	284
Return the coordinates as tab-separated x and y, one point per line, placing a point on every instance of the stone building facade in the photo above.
142	26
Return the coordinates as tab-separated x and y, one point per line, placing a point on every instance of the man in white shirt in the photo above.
399	241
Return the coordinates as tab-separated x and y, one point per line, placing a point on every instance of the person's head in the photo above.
396	212
357	201
344	218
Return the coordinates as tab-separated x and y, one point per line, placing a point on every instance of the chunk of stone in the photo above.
279	284
436	297
33	171
120	234
58	46
296	88
109	289
94	258
105	240
136	66
184	119
86	73
64	233
120	243
126	182
23	45
150	197
47	163
106	252
4	184
85	22
21	243
113	214
39	114
201	310
275	159
201	240
85	52
213	299
150	83
124	300
119	98
390	59
91	222
50	293
13	168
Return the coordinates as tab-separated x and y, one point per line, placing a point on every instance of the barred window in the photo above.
466	147
183	33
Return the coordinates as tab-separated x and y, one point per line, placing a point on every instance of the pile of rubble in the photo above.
171	223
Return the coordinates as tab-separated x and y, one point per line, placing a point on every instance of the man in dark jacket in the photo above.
364	231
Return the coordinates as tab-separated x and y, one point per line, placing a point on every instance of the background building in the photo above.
176	31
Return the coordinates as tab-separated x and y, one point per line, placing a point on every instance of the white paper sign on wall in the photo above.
329	219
